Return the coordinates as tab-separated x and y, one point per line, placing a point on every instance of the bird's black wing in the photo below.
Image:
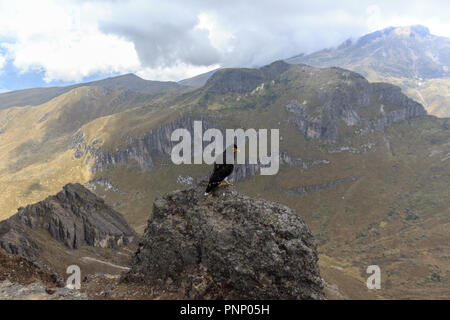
221	171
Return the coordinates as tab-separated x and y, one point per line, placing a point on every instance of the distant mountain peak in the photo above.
413	30
409	56
403	51
124	76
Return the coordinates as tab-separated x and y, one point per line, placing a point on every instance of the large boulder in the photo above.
227	246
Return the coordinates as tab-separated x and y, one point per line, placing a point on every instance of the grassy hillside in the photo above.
35	158
38	96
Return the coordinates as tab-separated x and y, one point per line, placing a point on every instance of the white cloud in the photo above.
176	72
164	33
2	62
428	13
72	39
374	21
219	36
61	41
74	57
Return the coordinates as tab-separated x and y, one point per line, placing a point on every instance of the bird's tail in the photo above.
211	186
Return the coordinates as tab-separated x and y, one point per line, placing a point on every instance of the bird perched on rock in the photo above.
221	170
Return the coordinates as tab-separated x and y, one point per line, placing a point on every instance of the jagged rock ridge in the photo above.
74	217
227	246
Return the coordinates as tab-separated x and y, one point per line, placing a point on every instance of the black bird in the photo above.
221	170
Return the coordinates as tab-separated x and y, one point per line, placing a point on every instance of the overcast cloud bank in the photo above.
70	40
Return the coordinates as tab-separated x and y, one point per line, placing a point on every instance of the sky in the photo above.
60	42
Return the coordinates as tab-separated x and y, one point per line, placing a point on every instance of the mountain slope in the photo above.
410	57
131	82
197	81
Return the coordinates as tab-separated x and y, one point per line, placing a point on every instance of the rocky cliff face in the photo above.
74	217
141	149
227	246
157	142
347	106
144	149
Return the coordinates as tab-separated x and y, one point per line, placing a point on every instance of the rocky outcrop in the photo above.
227	246
345	105
387	94
319	187
290	160
446	125
75	217
359	149
105	183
